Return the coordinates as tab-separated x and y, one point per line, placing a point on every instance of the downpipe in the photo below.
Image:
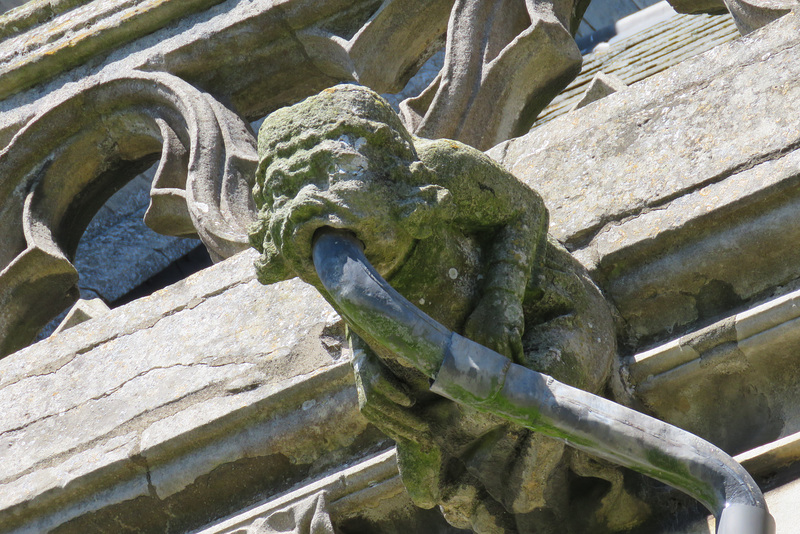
472	374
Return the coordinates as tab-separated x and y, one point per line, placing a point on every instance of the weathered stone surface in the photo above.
742	226
66	162
158	403
358	43
333	42
750	358
348	498
190	441
296	48
701	143
365	497
309	515
467	243
56	36
771	457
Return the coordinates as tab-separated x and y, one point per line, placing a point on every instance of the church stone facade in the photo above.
218	405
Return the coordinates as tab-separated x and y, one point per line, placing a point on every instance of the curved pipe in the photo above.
472	374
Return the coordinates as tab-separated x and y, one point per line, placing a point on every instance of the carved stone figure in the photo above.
467	242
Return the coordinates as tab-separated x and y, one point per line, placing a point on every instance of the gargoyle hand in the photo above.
384	399
386	402
497	322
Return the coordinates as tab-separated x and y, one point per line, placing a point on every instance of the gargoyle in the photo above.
466	242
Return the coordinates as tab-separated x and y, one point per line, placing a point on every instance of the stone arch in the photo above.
72	156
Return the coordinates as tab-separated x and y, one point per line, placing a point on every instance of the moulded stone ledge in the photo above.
372	487
56	38
734	382
214	389
704	253
272	404
371	483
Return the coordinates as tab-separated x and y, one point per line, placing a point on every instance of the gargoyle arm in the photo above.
486	200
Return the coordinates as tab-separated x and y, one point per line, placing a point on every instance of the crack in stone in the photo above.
120	429
214	390
154	415
190	304
141	460
113	390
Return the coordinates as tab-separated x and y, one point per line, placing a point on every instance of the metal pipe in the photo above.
472	374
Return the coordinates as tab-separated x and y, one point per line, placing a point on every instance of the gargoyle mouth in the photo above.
294	225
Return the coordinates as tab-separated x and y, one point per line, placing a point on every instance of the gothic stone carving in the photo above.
70	157
65	163
505	60
467	242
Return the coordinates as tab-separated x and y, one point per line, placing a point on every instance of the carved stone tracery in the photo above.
63	165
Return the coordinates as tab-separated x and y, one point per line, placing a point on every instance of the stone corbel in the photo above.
75	153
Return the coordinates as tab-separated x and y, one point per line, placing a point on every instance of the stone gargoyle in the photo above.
467	243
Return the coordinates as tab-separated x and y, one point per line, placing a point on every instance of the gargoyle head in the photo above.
339	159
